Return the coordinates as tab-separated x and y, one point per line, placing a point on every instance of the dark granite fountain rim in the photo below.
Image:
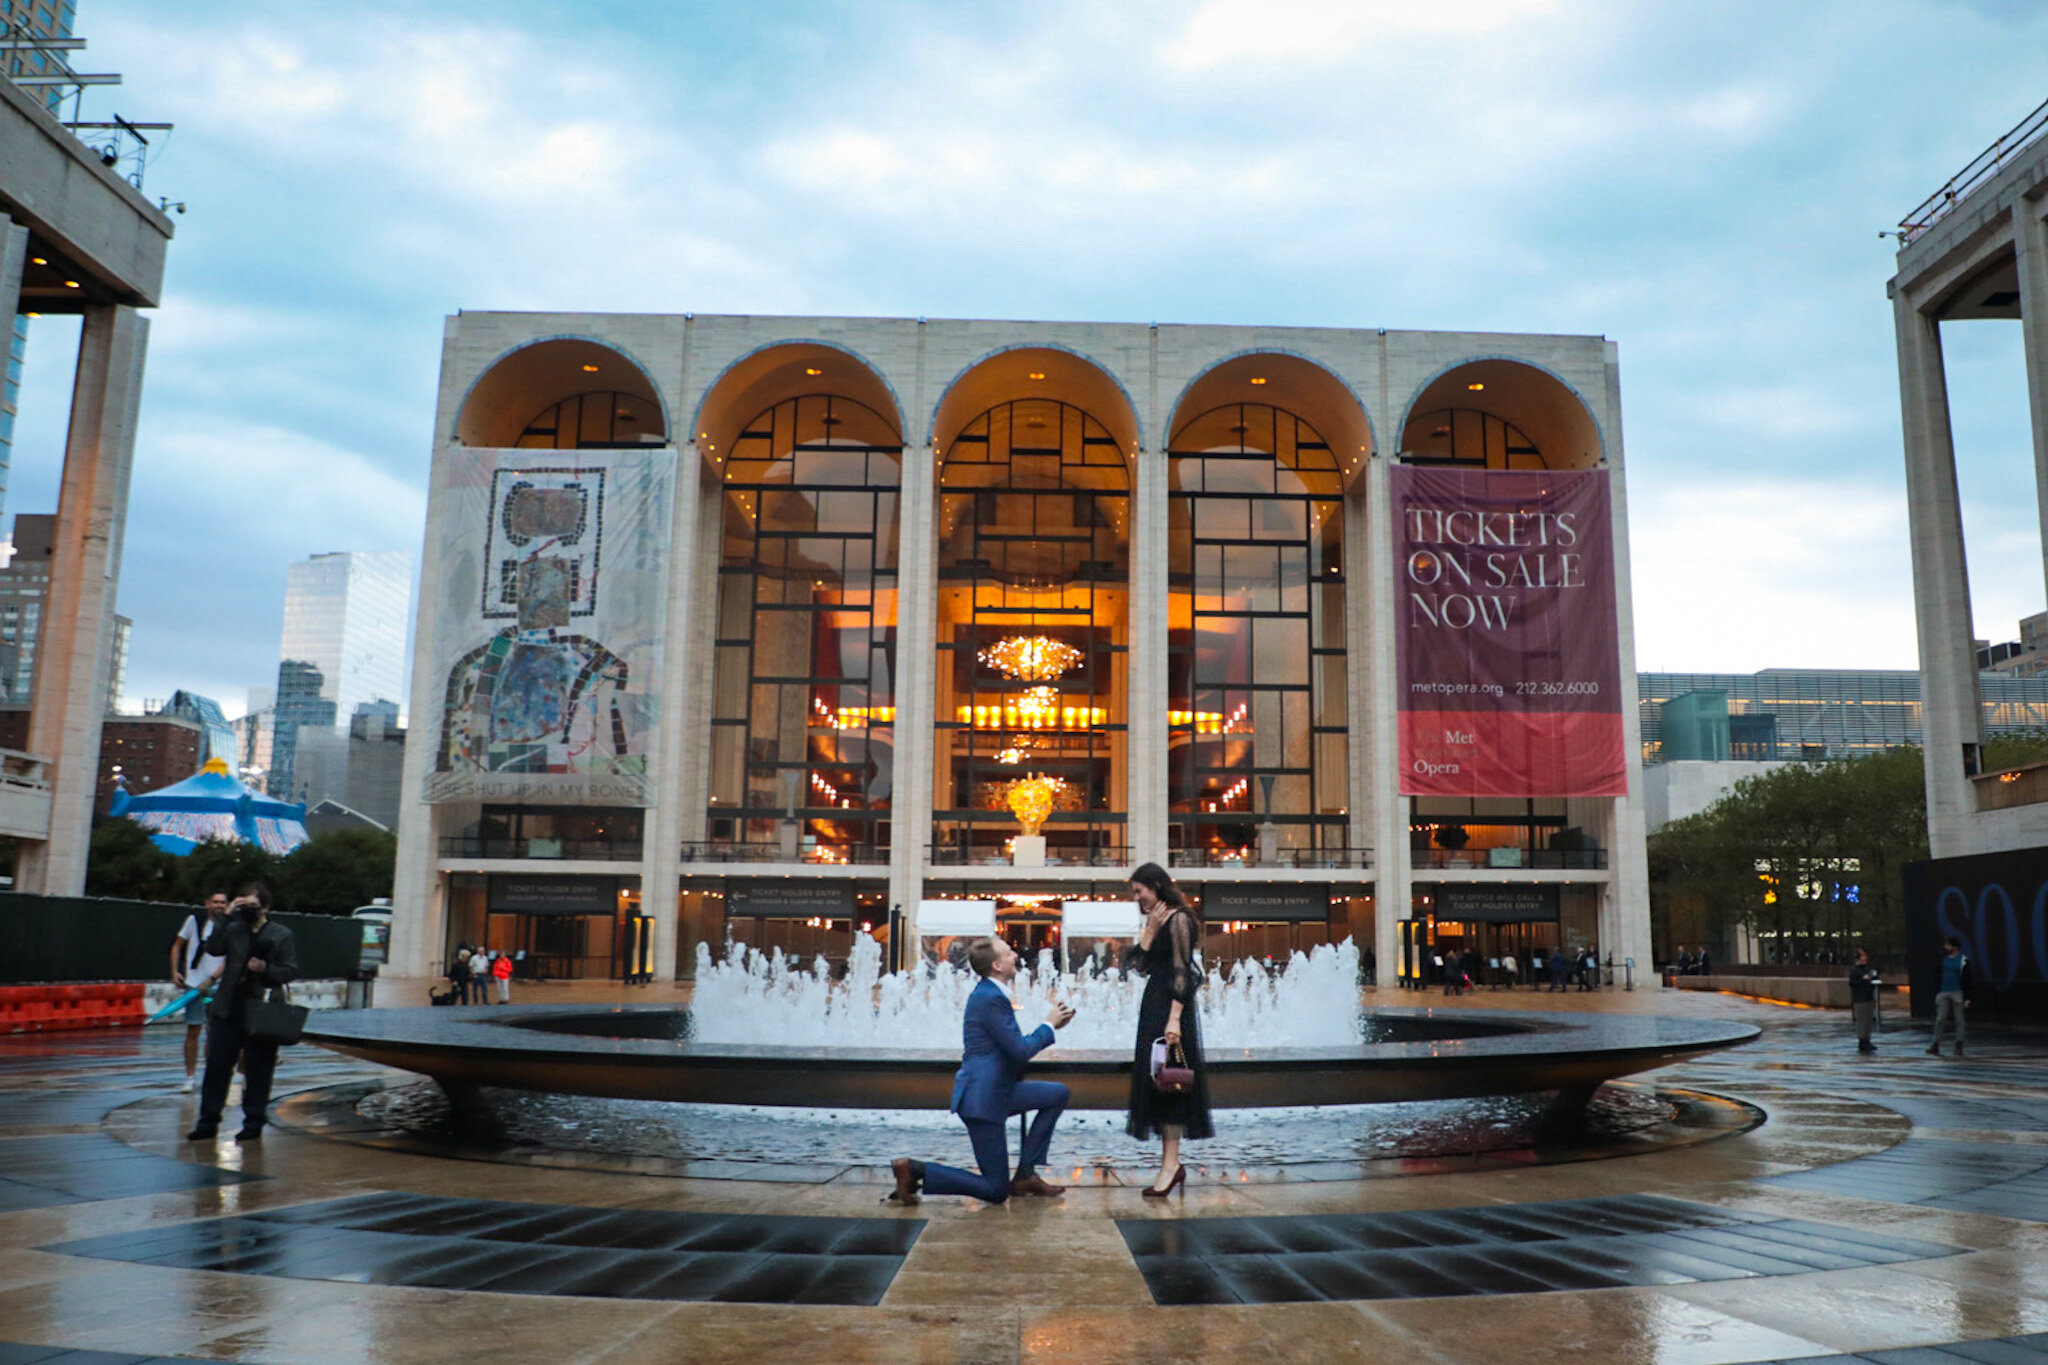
522	1031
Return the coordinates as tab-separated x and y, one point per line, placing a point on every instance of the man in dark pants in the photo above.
1863	999
260	955
989	1087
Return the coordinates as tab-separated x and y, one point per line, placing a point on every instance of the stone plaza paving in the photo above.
1889	1208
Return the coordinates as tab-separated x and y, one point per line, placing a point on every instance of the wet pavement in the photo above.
1890	1208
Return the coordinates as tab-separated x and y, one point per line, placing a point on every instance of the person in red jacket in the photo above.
501	968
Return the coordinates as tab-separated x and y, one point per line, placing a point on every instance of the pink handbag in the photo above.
1171	1074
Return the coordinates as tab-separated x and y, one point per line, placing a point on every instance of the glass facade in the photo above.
804	691
594	421
1033	602
1256	710
343	646
1797	713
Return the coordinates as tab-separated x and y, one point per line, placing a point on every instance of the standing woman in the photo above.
1165	956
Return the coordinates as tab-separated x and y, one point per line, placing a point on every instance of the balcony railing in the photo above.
581	850
2025	786
976	855
823	855
1285	857
1492	859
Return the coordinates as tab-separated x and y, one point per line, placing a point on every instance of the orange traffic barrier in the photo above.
97	1004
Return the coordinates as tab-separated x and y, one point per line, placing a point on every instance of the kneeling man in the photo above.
990	1087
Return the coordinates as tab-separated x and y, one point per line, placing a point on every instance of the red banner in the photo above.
1508	654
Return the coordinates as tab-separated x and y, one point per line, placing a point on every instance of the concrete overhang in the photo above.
102	241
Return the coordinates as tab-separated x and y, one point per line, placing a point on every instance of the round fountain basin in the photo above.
644	1053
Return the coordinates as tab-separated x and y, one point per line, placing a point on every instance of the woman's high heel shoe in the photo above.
1179	1175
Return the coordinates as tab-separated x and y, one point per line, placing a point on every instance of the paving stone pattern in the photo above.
13	1353
517	1248
1595	1243
78	1167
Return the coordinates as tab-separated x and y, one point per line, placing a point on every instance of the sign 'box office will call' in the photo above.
1508	651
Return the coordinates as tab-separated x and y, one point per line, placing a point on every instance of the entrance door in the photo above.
555	944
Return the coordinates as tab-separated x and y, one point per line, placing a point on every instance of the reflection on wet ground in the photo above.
1891	1208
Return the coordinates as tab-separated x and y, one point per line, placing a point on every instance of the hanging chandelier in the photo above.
1038	704
1030	658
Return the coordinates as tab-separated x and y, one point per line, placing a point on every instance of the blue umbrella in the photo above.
187	998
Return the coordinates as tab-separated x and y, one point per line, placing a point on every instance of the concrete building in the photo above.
76	237
1975	250
343	647
771	627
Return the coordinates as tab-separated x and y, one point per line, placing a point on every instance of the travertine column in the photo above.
1625	898
1145	738
917	665
678	784
2031	243
1941	581
418	892
1378	714
74	651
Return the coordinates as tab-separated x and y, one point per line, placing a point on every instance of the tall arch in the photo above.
1497	413
803	703
757	381
1032	630
1038	372
1257	748
585	394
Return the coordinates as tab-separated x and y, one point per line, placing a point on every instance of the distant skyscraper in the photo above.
24	590
344	646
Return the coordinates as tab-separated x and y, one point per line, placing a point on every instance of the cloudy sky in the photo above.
1703	183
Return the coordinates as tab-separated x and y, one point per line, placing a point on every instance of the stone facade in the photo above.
713	376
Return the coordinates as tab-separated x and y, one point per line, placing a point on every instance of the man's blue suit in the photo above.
989	1088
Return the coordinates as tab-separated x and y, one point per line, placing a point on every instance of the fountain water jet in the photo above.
755	997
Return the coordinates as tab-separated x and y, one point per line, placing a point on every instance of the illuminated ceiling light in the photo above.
812	370
1475	387
1031	658
39	260
71	284
1258	379
590	369
1036	374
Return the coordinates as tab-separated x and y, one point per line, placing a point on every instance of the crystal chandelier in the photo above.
1030	658
1038	704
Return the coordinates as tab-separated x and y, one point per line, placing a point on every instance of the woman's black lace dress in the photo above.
1168	967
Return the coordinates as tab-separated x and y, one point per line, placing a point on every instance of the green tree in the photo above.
1808	856
225	865
337	871
123	861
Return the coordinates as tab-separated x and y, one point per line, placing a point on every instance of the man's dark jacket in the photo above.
273	944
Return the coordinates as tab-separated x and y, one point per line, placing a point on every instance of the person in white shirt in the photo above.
194	970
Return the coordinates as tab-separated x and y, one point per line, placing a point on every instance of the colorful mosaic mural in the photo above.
548	623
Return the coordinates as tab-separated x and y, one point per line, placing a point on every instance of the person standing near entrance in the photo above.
501	969
260	954
1954	995
1165	956
194	970
989	1087
1863	999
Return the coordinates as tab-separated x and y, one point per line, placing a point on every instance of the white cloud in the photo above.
1318	32
1770	573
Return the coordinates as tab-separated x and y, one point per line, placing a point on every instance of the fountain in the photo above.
759	1033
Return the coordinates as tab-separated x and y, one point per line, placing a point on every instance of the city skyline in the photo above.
1706	189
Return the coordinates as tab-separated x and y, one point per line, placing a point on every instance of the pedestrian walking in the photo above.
1953	996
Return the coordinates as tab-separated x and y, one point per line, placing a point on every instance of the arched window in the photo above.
804	692
1258	766
599	420
1034	565
1467	436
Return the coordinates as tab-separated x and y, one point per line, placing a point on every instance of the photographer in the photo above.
260	955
